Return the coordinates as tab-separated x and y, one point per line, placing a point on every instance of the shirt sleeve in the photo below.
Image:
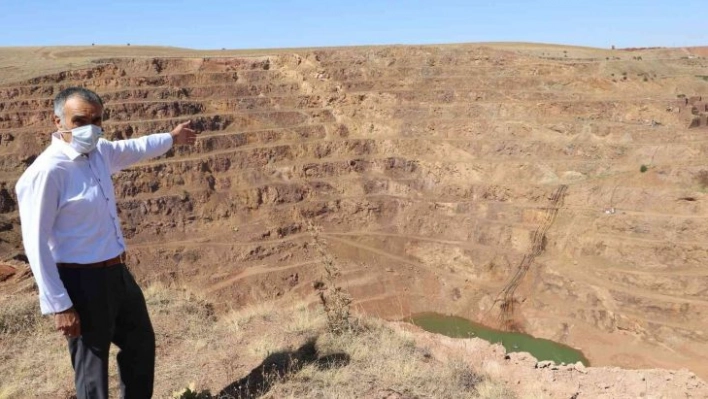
123	153
38	198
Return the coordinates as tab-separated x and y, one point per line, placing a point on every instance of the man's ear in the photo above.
57	123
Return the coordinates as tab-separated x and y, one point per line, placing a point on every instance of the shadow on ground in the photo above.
274	368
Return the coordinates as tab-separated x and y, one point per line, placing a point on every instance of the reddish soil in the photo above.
429	170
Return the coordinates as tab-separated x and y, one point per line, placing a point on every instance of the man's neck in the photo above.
65	136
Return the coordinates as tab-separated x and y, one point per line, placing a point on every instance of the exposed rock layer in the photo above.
428	170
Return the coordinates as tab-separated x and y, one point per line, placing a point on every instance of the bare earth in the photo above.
431	172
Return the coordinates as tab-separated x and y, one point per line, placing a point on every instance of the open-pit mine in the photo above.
557	191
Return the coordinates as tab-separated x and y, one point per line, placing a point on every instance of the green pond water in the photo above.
458	327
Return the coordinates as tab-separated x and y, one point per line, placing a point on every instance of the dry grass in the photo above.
30	350
19	315
384	362
237	320
210	352
304	320
702	179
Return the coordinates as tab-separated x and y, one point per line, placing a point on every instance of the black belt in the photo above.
106	263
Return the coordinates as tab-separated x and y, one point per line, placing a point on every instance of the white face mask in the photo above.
85	138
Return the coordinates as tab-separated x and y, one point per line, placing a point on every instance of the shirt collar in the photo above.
64	147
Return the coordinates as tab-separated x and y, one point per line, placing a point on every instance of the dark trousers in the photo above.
112	309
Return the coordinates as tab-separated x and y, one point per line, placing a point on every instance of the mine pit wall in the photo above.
428	172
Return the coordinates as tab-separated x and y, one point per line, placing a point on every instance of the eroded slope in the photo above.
428	170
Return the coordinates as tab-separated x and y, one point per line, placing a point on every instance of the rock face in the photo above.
429	171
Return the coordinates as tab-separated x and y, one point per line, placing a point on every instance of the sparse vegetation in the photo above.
702	179
335	302
30	351
392	364
19	316
191	393
327	365
246	305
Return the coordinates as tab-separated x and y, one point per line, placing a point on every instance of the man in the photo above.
75	246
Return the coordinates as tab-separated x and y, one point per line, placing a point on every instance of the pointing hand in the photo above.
182	134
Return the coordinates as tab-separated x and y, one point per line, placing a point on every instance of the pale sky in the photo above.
280	23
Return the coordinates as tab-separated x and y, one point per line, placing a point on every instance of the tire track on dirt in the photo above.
256	271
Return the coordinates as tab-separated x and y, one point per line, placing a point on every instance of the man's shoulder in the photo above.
50	162
103	143
104	146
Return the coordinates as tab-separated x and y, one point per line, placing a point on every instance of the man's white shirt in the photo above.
68	208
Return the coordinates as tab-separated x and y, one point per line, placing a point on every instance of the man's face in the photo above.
78	112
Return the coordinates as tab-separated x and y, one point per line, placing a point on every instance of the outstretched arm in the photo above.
123	153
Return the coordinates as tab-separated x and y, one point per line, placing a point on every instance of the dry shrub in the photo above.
20	315
702	179
335	301
336	305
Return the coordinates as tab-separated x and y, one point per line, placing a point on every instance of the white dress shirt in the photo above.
68	208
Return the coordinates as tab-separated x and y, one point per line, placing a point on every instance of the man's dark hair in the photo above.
84	94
